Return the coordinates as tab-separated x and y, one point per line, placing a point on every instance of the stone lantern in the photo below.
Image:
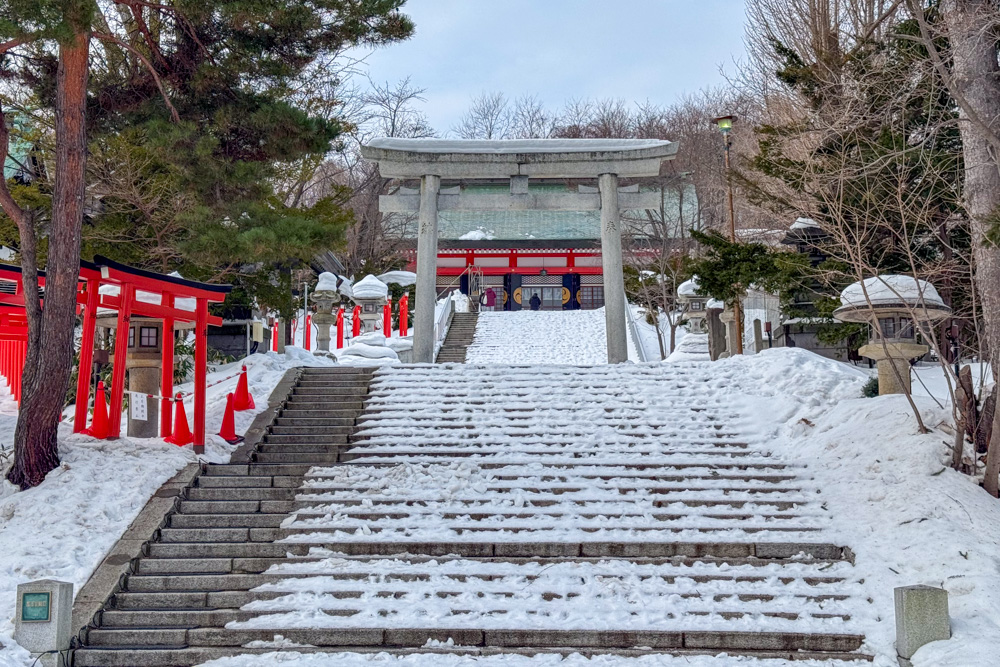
371	294
895	307
325	299
687	295
144	363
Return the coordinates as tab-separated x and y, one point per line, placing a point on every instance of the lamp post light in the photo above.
725	125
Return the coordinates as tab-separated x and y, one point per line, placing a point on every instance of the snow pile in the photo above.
692	347
478	234
890	289
715	304
368	351
370	287
805	223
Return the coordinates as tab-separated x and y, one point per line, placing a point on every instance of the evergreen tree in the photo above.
205	85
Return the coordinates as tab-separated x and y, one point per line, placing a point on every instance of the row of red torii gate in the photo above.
109	289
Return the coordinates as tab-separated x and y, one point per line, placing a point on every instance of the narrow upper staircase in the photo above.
606	509
460	335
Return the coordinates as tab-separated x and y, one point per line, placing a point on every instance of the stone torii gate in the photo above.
432	160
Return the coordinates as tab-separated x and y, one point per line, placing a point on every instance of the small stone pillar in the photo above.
758	337
921	618
893	361
729	319
716	333
43	620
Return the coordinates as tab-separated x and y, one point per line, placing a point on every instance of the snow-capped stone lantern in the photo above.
325	298
687	295
895	307
371	294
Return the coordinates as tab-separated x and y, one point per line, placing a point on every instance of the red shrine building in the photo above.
555	255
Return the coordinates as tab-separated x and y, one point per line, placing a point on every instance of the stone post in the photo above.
43	620
324	301
426	297
921	618
281	337
758	337
716	333
890	355
614	277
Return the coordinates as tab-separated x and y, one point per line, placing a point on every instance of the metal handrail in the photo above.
633	329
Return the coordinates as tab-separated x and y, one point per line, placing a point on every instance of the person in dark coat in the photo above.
491	298
535	303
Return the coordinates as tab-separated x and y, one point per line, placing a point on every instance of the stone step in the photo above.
124	601
242	493
234	506
302	429
416	637
233	482
186	618
305	439
314	421
338	410
309	381
331	392
221	534
256	520
298	449
207	566
332	408
257	469
311	458
303	500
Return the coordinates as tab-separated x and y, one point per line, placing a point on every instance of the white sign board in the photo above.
137	406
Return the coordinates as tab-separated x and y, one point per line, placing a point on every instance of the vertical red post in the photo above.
86	356
167	370
404	313
356	321
200	373
387	319
274	337
340	328
307	334
121	353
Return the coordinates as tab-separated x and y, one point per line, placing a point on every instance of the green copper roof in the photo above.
541	225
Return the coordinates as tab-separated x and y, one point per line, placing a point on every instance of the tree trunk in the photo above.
976	78
50	332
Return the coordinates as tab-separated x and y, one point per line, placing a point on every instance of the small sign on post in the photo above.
44	619
138	409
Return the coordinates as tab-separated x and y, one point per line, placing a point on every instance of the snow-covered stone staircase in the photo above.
459	337
499	509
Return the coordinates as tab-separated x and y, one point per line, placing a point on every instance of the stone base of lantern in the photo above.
893	355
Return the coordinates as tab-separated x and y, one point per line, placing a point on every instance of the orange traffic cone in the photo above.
101	425
228	430
243	399
182	432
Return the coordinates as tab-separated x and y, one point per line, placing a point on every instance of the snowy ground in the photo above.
63	528
577	337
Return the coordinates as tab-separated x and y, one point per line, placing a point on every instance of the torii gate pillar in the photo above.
427	242
614	276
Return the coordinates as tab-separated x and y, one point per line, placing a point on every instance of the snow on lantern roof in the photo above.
401	278
688	287
887	290
327	282
805	223
715	304
370	287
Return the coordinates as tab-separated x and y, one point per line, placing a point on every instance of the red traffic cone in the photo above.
243	399
182	432
228	430
101	425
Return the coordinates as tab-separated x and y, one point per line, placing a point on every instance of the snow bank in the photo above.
889	289
401	278
370	287
893	500
368	351
479	234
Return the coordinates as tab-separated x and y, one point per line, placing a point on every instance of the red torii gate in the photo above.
169	289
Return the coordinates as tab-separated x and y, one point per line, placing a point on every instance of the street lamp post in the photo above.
725	125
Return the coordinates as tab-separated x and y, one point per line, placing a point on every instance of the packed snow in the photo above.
576	337
401	278
479	234
327	282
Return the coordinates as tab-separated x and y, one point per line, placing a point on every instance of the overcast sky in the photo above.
637	50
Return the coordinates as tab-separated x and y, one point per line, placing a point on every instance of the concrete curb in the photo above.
106	580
